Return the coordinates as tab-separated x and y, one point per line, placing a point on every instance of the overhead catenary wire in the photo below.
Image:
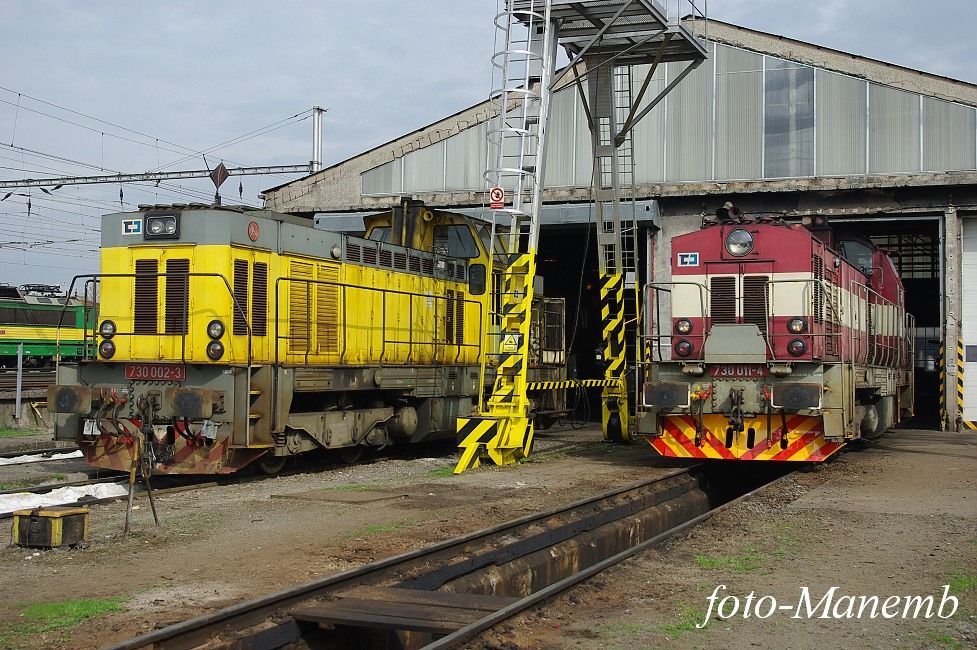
154	140
57	223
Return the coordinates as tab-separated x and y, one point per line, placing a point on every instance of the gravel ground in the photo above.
896	518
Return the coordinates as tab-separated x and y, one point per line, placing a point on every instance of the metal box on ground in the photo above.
50	526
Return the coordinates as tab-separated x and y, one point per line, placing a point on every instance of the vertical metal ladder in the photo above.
523	67
610	90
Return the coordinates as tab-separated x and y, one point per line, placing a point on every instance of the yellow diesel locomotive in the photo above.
231	336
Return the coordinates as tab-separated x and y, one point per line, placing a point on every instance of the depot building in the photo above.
774	125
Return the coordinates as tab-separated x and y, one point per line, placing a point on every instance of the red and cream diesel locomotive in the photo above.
784	342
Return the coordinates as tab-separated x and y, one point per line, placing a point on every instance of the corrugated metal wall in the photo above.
739	116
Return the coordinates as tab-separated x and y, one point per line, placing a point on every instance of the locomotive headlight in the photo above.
797	347
162	226
683	326
106	349
739	242
796	326
215	329
683	348
107	329
215	350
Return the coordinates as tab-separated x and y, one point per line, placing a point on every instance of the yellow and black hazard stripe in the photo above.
474	434
967	424
942	374
572	383
612	317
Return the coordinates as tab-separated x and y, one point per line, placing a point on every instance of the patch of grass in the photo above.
24	483
688	618
942	641
962	582
783	534
44	618
442	472
18	432
57	476
349	487
378	529
620	631
750	561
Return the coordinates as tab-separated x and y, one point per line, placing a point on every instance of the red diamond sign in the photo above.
219	175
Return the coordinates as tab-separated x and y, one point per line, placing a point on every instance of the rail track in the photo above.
31	380
171	484
444	595
40	451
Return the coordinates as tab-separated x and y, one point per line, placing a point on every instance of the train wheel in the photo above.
271	465
351	455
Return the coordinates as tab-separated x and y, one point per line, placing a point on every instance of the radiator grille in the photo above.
370	254
176	314
259	299
459	317
722	299
327	309
818	290
146	311
240	297
449	316
755	301
298	306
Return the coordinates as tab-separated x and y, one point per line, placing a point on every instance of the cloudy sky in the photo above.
112	86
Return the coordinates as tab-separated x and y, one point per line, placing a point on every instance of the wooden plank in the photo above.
337	614
460	600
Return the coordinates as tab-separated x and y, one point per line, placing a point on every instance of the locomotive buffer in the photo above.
607	37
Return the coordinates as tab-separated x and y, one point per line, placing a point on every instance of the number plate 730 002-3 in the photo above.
156	372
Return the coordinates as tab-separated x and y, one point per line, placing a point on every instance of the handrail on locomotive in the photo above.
658	341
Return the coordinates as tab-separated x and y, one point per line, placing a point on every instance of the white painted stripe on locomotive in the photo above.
791	294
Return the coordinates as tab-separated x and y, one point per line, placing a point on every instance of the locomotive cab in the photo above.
778	347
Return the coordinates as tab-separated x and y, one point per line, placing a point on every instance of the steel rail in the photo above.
469	632
246	615
40	451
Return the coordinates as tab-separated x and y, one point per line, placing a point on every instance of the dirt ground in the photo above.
897	518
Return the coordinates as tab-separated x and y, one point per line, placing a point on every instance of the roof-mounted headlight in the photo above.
162	226
739	242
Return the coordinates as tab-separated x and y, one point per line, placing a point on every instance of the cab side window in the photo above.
455	240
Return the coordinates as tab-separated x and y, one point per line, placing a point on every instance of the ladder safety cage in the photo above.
596	33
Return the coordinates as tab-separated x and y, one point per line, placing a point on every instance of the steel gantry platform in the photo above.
603	39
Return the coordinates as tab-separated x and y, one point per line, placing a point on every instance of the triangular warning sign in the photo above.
510	343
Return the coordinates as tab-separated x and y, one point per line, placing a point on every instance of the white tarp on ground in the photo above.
36	458
10	503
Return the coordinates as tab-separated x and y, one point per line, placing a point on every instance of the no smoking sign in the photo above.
496	198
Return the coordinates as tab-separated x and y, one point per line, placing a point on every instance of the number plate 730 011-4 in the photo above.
738	371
